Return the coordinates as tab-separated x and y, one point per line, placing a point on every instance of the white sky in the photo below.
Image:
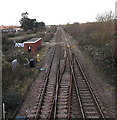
53	11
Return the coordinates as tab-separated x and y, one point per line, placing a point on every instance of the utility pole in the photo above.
4	112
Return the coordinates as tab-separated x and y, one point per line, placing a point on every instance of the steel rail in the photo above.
45	84
57	88
69	53
70	97
57	83
88	84
90	88
77	90
58	80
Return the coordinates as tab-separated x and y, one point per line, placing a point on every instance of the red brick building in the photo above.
32	45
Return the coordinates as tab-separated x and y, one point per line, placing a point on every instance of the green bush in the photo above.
102	57
15	83
12	100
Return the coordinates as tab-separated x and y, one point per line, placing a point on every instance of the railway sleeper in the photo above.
75	115
48	101
63	94
44	116
62	103
48	95
64	88
62	116
62	100
49	92
46	108
62	97
83	93
81	86
65	111
45	111
87	100
47	104
92	115
48	98
88	104
61	107
64	85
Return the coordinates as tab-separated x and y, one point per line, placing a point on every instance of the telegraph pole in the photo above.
4	112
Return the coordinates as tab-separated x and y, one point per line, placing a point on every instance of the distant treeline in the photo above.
101	33
30	24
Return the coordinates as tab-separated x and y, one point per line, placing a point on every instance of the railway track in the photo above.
88	103
45	105
47	99
44	101
65	92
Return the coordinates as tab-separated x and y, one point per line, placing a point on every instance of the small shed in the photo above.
32	45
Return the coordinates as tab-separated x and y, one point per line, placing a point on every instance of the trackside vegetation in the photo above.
98	40
15	83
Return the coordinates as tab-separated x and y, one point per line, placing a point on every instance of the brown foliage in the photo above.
100	33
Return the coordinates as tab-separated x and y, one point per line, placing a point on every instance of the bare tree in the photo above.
105	24
24	14
115	42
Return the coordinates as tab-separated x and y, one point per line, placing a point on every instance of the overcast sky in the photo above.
53	12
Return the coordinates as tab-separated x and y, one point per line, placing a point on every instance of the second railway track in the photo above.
88	103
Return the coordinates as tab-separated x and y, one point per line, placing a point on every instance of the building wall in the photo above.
34	46
38	44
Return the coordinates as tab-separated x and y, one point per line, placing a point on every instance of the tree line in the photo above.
30	24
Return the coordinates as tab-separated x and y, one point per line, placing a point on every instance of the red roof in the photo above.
9	27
